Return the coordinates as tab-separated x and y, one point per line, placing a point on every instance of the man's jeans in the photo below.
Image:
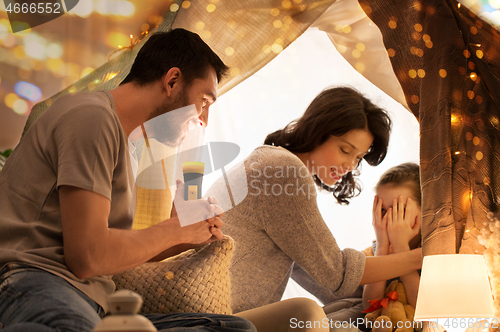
33	300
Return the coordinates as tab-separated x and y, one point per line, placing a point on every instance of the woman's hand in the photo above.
399	223
379	223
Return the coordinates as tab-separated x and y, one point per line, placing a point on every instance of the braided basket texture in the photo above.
193	281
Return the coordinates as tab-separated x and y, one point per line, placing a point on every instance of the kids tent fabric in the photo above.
447	61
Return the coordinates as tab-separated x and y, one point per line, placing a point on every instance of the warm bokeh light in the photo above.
234	71
117	39
54	50
494	17
9	40
83	9
206	34
9	99
174	7
20	106
494	3
347	29
105	7
277	48
211	8
200	25
55	64
115	7
35	46
86	71
360	67
19	52
4	28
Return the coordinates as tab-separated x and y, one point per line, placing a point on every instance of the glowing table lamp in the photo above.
454	292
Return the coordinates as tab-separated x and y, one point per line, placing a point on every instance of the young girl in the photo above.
396	220
278	228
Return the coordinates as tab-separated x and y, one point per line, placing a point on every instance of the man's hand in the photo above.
191	212
193	230
198	234
399	224
379	223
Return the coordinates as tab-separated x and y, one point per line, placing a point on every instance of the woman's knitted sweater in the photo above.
276	225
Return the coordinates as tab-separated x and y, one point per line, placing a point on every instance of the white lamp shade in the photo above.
454	286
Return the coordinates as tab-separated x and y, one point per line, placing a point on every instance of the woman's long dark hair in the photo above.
335	112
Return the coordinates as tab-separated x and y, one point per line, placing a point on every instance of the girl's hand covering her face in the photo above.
379	223
399	227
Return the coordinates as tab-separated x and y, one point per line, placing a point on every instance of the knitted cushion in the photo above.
193	281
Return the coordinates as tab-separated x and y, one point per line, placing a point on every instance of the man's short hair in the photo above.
176	48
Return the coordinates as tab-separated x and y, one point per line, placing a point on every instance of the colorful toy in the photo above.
392	313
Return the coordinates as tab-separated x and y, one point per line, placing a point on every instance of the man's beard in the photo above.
174	121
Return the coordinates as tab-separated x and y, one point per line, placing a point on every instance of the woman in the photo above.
278	225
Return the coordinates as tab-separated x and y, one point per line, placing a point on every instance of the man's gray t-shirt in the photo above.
79	142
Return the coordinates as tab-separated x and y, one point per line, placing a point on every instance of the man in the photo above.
67	190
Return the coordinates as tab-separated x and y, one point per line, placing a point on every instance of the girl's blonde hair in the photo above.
407	175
